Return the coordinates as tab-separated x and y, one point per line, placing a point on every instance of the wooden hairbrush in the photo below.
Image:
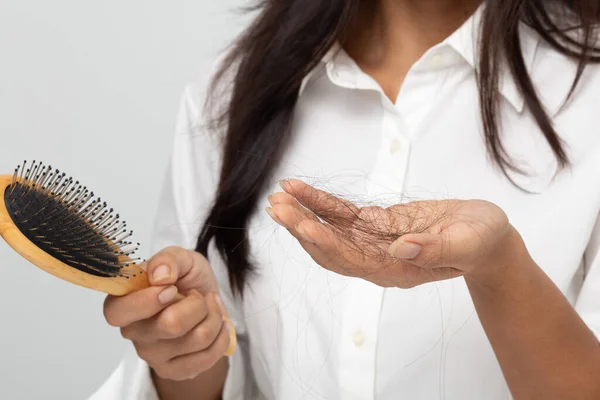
59	226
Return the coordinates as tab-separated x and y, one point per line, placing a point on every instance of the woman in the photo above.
486	286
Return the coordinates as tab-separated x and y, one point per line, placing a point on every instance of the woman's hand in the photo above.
178	336
401	246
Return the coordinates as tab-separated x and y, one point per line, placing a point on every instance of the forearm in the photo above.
206	386
544	348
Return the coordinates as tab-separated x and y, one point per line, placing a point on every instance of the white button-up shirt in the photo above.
307	333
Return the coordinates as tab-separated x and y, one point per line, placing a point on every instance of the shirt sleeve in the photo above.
588	301
187	194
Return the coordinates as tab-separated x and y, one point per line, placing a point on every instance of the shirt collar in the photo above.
464	41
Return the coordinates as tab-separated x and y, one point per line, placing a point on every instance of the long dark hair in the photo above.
289	38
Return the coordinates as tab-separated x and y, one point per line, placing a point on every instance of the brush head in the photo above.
65	220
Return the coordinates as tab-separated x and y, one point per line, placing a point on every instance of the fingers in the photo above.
179	336
190	365
180	340
289	216
288	213
185	339
332	251
169	271
286	198
324	246
194	352
173	322
300	222
201	336
320	235
172	270
319	201
169	265
137	306
184	268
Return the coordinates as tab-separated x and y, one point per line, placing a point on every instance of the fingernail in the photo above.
167	295
404	250
221	305
284	184
273	215
161	273
302	233
270	198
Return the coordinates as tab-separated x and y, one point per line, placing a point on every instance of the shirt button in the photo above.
359	338
395	146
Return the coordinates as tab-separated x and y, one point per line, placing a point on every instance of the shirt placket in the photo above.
358	350
387	180
362	309
361	312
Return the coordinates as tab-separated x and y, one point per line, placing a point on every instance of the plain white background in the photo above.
93	89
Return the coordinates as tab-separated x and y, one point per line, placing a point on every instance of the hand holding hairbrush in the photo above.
58	225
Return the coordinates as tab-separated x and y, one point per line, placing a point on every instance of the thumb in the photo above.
183	268
425	250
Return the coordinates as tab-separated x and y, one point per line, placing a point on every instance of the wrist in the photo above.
510	257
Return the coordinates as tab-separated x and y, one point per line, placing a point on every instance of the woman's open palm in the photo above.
404	245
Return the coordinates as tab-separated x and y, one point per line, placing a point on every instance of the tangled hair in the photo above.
366	232
288	39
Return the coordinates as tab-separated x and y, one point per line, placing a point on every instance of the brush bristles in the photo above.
64	219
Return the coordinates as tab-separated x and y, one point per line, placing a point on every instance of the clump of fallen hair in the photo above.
368	228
